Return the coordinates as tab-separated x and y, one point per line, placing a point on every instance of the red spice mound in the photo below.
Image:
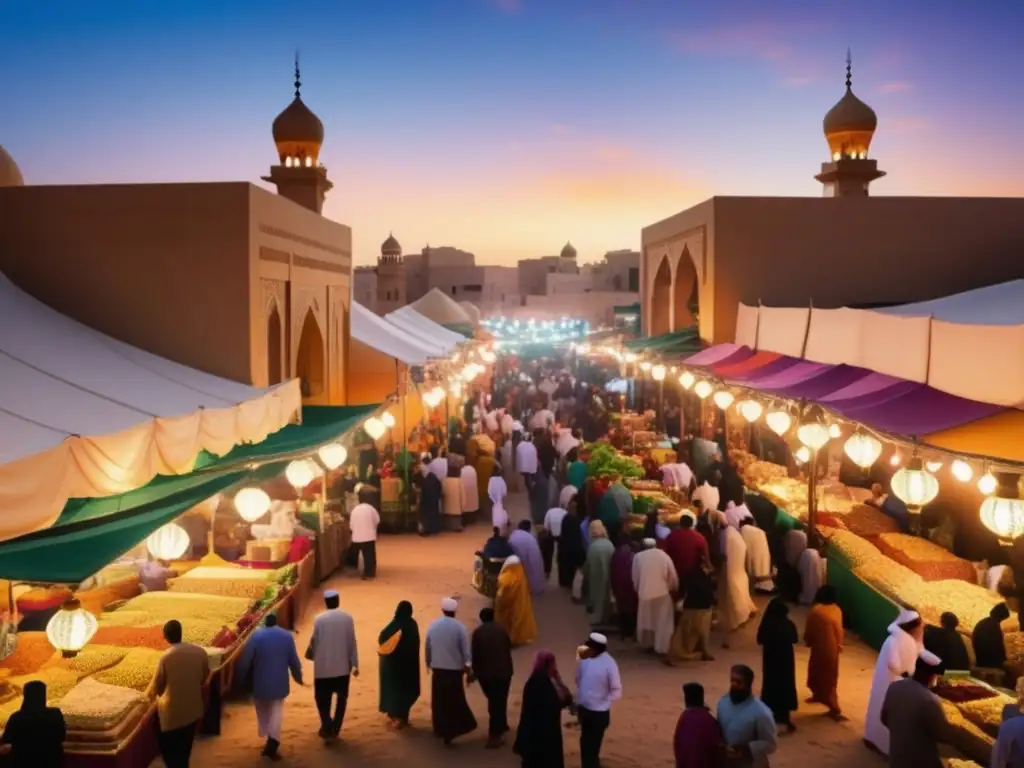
131	637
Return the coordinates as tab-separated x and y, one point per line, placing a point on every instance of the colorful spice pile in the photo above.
930	561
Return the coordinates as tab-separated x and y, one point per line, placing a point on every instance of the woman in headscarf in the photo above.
513	605
539	736
597	575
430	504
777	635
898	657
823	634
399	651
626	601
35	731
571	552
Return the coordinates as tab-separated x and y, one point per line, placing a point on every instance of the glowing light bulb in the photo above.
863	449
779	422
988	483
702	389
751	410
723	398
686	379
961	470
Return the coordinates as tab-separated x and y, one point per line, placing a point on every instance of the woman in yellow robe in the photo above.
513	606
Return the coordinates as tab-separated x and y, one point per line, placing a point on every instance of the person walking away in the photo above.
1008	751
398	647
914	717
497	547
759	557
576	470
526	547
656	581
513	605
898	657
747	724
823	634
698	740
539	735
548	535
734	604
777	635
989	646
335	657
430	504
491	649
947	643
178	686
687	549
571	551
35	731
526	461
497	490
470	493
597	576
270	657
615	507
598	684
623	589
363	522
448	657
691	640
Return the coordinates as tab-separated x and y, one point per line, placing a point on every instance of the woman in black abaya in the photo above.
539	736
777	635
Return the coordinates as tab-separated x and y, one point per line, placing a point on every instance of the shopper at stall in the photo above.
623	589
539	735
597	576
398	647
598	685
698	741
430	504
447	655
1008	751
914	717
947	643
491	649
178	686
268	659
897	658
989	646
513	604
823	634
735	607
615	507
576	470
656	582
759	557
748	727
777	637
363	521
335	656
35	732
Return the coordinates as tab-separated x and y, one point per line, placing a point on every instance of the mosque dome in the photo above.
850	125
10	174
298	132
568	252
391	247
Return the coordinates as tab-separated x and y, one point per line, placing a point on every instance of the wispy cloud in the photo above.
895	86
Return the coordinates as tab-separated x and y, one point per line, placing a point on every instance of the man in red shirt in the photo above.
698	739
687	548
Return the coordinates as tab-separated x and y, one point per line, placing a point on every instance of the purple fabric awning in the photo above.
720	354
917	412
769	369
873	382
825	383
791	376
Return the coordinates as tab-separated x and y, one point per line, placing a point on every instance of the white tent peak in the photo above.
436	305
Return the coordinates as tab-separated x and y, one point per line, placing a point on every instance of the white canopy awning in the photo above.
425	329
83	415
438	306
376	332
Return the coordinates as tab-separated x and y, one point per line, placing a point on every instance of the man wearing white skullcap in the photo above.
897	658
655	580
335	661
598	684
447	654
914	716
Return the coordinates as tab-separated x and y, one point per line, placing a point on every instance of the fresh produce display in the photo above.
159	607
136	670
930	561
606	461
94	706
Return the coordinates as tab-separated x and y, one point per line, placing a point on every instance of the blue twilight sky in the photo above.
507	127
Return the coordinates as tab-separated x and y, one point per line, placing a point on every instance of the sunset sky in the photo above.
506	127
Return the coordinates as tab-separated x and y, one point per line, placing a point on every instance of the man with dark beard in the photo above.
747	725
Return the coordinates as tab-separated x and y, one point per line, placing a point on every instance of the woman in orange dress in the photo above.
823	634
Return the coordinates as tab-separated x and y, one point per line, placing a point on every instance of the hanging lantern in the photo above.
252	504
1003	513
802	454
333	455
834	431
645	366
71	628
988	484
299	474
374	427
751	410
388	419
961	470
779	422
933	466
702	389
686	380
658	372
723	398
894	460
863	449
168	542
813	434
914	485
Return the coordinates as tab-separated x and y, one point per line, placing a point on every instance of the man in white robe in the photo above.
737	513
759	556
898	657
735	607
655	579
812	567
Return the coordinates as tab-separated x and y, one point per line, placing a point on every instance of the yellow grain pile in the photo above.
136	670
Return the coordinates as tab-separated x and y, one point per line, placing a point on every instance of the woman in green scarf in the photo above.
399	651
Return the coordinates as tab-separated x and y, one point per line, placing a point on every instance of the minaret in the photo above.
299	134
849	127
391	290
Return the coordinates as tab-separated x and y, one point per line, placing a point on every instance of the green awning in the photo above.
90	533
460	328
665	341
